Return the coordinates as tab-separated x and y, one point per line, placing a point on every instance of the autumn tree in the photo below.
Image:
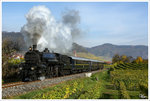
122	59
125	59
6	52
8	48
116	58
139	59
145	61
130	59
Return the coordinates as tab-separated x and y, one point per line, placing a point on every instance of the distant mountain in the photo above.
12	35
105	50
78	48
17	37
108	50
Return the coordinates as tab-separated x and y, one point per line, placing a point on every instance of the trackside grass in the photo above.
82	88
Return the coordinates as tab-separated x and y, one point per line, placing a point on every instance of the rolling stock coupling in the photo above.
41	65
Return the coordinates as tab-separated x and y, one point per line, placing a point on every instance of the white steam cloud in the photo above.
71	18
42	29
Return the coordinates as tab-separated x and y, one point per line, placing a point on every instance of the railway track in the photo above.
14	89
11	84
22	83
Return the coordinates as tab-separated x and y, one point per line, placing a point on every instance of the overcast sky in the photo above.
124	23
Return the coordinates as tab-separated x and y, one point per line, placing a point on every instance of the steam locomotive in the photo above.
46	64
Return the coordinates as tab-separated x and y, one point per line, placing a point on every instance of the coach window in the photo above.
74	61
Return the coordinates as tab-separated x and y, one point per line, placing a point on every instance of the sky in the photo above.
119	23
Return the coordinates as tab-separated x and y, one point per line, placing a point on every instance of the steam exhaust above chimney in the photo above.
34	47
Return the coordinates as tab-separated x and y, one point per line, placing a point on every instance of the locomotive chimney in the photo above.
34	47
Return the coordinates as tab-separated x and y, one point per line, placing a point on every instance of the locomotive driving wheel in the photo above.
33	78
55	71
49	72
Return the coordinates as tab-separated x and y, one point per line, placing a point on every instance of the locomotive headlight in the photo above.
20	68
32	68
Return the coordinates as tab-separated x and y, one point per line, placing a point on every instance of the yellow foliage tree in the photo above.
123	58
139	60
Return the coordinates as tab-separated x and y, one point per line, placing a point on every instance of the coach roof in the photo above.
84	59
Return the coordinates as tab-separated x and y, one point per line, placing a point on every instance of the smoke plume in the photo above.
71	18
42	29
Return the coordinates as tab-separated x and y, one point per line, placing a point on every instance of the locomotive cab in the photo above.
49	58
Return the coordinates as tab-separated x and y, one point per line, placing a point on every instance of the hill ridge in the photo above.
107	50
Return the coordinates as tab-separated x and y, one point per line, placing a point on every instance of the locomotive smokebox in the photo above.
34	47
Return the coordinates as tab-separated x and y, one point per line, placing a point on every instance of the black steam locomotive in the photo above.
41	65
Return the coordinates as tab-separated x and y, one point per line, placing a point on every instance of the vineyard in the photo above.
130	78
133	66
